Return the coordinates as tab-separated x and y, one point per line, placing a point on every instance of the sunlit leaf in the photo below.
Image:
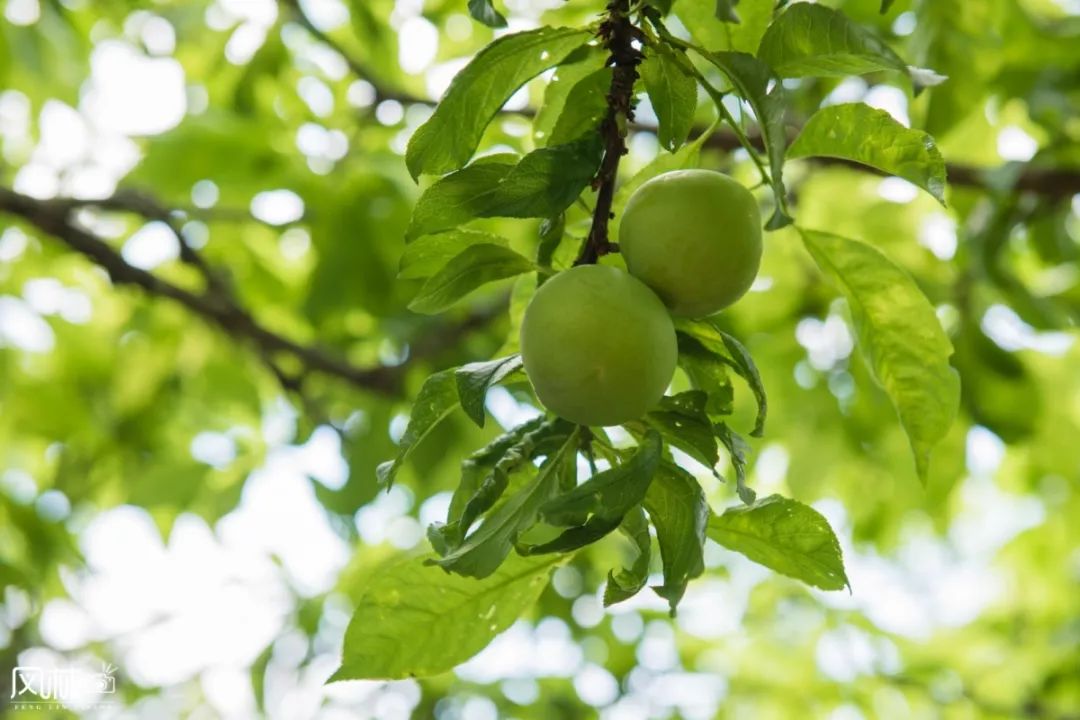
899	335
474	380
450	136
414	620
786	536
865	135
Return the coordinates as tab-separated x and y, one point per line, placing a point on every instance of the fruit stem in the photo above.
623	40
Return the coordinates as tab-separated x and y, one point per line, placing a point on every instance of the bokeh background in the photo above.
202	514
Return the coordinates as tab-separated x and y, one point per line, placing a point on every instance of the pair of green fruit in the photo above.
598	343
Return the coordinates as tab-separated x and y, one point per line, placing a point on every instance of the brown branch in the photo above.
618	34
54	218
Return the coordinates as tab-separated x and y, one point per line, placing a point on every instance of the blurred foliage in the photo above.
108	410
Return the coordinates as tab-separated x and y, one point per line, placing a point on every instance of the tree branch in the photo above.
217	306
618	34
1053	183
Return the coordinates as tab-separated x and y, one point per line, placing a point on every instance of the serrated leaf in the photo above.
628	582
437	399
414	620
451	135
725	11
485	476
727	349
501	453
427	255
673	95
869	136
485	549
681	419
585	107
484	12
459	197
473	267
474	380
899	335
786	536
543	183
813	40
751	79
605	498
676	504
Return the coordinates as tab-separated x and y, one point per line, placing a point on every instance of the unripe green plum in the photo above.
598	345
694	237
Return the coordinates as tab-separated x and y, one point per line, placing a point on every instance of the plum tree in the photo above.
598	345
694	237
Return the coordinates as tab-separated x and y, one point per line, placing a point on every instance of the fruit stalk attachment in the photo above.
622	39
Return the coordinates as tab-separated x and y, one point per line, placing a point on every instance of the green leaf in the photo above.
683	422
744	365
885	5
737	449
486	548
542	184
581	63
548	180
427	255
485	12
473	267
708	373
899	335
751	79
414	620
728	350
676	504
628	582
585	107
605	497
865	135
552	231
673	95
437	399
786	536
725	11
809	39
611	492
501	455
459	197
474	379
451	135
709	30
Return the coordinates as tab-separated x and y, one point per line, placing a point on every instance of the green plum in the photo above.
598	345
694	237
